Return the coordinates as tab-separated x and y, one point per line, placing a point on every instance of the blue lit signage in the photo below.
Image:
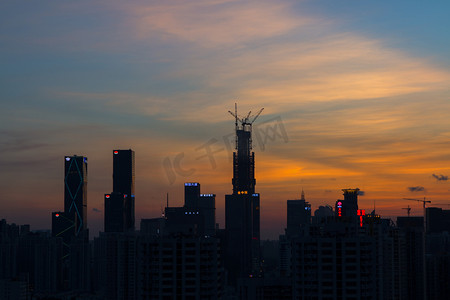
191	212
85	159
67	158
255	195
190	184
207	195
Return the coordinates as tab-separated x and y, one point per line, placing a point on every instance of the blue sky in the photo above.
361	88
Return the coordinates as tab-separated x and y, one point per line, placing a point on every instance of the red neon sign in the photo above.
361	213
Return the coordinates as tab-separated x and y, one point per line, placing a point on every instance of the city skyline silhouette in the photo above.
341	97
360	88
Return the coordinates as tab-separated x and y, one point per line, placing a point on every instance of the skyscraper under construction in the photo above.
242	209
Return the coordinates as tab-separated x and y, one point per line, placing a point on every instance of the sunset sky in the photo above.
355	94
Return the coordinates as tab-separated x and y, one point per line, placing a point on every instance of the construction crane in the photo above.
408	209
424	201
244	121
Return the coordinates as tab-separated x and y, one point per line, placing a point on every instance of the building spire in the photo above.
303	195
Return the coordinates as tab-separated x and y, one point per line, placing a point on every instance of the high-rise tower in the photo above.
123	182
242	210
349	206
75	191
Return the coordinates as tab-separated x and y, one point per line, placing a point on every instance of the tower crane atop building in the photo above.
424	201
408	210
243	124
244	120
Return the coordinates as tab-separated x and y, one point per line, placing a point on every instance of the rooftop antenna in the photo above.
167	200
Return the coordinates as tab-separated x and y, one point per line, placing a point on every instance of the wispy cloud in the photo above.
440	177
416	188
301	59
213	23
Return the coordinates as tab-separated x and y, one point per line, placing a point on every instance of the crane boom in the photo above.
424	201
408	209
257	115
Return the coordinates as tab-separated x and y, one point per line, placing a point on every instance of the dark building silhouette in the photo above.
242	208
176	256
115	265
298	223
191	194
437	253
71	226
207	208
343	255
204	204
119	205
338	254
115	212
64	226
179	266
298	216
179	255
348	208
438	220
155	226
123	182
183	220
196	217
322	214
413	229
75	191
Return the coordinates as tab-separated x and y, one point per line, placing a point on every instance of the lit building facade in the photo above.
75	191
